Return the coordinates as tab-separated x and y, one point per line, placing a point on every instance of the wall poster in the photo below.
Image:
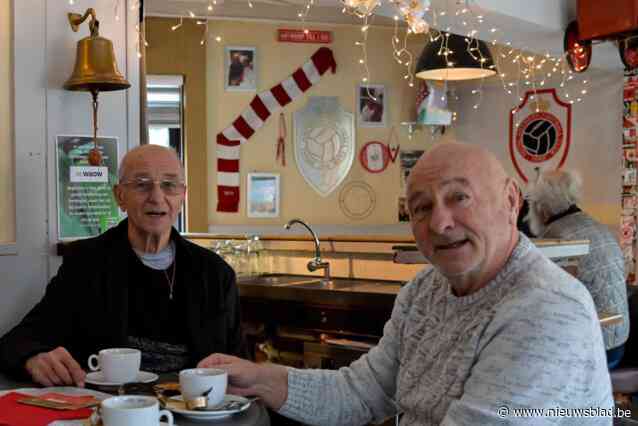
629	175
372	105
240	65
262	195
408	159
86	206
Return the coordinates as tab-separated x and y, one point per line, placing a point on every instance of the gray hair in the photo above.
121	173
555	191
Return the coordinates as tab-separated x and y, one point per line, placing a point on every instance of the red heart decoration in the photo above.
394	151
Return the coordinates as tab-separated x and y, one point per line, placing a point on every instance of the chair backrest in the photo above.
630	359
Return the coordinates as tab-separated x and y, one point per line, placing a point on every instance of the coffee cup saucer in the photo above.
176	405
97	378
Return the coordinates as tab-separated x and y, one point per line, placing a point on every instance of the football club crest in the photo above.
375	156
324	143
540	133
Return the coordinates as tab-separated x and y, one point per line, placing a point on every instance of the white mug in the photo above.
118	365
195	382
133	410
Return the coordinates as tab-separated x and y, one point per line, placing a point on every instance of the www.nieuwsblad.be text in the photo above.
504	412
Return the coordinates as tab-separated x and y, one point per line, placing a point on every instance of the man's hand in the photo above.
55	368
268	381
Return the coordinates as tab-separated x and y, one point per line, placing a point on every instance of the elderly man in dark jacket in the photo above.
138	285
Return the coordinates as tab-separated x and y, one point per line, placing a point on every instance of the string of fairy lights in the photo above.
518	70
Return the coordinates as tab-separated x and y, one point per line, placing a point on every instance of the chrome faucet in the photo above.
317	262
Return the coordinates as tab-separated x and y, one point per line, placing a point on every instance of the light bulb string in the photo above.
465	14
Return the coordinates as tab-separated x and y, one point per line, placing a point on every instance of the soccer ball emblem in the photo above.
539	137
324	147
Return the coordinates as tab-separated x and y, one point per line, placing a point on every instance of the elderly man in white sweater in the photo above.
493	328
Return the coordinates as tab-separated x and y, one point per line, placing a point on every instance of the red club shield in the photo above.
540	133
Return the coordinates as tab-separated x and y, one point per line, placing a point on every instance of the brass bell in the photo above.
95	70
95	65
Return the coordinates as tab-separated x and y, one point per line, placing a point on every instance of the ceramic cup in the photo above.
133	410
195	382
118	365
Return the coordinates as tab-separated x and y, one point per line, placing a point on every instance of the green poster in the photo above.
86	206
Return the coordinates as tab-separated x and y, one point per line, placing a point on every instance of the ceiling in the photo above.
323	11
536	26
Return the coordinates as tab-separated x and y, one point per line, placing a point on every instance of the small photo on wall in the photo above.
404	216
240	65
372	101
262	195
408	159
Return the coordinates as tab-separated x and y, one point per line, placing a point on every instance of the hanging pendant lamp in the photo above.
454	57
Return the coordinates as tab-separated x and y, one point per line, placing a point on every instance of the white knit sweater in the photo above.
602	270
530	338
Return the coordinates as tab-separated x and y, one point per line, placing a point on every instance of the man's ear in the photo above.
119	197
181	204
513	200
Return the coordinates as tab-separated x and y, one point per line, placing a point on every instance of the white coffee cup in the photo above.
195	382
133	410
118	365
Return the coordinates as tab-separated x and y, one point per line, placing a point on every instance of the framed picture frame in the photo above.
372	105
240	69
263	195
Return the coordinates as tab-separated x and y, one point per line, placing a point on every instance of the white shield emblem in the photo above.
324	143
540	133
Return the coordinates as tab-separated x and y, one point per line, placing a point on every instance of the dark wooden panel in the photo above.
322	318
600	19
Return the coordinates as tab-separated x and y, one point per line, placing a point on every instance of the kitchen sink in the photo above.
333	284
305	282
277	280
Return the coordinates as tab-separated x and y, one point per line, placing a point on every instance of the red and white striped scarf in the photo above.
252	118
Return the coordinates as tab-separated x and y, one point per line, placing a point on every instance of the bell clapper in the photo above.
95	156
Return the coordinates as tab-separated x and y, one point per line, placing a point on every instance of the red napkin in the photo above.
13	413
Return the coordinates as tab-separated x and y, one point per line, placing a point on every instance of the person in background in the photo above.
493	326
138	285
248	70
235	70
554	213
521	222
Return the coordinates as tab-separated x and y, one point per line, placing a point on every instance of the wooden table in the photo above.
256	415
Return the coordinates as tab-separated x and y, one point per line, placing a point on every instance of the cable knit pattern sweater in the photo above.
602	270
529	338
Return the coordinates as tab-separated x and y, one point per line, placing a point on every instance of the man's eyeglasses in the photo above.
144	185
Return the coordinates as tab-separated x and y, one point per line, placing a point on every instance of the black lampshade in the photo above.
463	66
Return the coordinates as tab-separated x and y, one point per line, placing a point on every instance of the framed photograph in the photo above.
240	69
408	159
404	215
262	195
372	105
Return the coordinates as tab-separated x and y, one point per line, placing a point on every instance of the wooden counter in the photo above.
553	248
340	293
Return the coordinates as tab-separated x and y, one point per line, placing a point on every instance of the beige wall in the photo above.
180	53
595	142
275	62
595	149
7	188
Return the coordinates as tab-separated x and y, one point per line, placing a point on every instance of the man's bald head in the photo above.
145	154
463	210
475	160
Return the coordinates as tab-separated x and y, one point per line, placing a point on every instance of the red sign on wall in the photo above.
299	36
